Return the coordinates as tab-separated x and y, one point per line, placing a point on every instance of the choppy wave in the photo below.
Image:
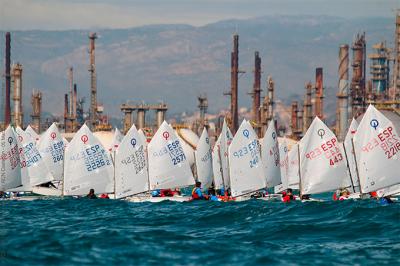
73	231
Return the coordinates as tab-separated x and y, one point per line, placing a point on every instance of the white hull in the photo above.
45	191
158	199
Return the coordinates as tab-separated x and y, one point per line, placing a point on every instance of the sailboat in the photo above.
33	168
131	165
10	169
246	171
216	165
226	139
203	157
168	164
323	165
293	178
270	157
284	167
377	150
87	165
349	153
51	147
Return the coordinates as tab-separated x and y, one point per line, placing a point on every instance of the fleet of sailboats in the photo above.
367	161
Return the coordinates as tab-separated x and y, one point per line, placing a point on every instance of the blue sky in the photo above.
86	14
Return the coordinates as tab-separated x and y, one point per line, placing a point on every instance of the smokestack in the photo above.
65	108
267	108
257	91
396	74
294	119
203	106
307	106
319	93
234	84
7	106
74	101
93	85
71	88
342	96
17	95
36	110
358	93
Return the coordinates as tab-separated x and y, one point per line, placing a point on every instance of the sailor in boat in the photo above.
305	197
288	196
344	194
165	193
385	200
211	195
104	196
91	194
197	194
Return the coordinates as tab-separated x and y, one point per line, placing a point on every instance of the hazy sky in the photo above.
84	14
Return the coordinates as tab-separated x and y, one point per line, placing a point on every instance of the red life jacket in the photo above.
334	196
195	196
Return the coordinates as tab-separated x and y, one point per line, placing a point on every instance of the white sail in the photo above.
293	168
270	156
87	165
246	170
216	164
131	166
377	147
35	168
31	132
323	164
116	140
26	186
348	145
226	139
10	168
203	156
168	166
284	167
51	147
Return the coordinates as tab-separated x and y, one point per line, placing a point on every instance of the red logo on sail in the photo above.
165	135
84	139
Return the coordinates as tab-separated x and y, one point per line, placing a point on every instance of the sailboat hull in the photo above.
158	199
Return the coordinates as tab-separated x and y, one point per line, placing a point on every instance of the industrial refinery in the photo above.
357	87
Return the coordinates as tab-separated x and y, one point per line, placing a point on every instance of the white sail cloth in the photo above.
131	165
349	152
377	148
87	165
51	148
204	160
33	166
168	165
216	165
10	168
323	165
246	170
270	156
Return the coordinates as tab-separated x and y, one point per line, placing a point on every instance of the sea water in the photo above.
255	232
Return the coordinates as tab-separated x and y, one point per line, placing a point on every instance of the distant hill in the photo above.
175	63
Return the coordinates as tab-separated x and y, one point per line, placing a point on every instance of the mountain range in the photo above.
176	63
